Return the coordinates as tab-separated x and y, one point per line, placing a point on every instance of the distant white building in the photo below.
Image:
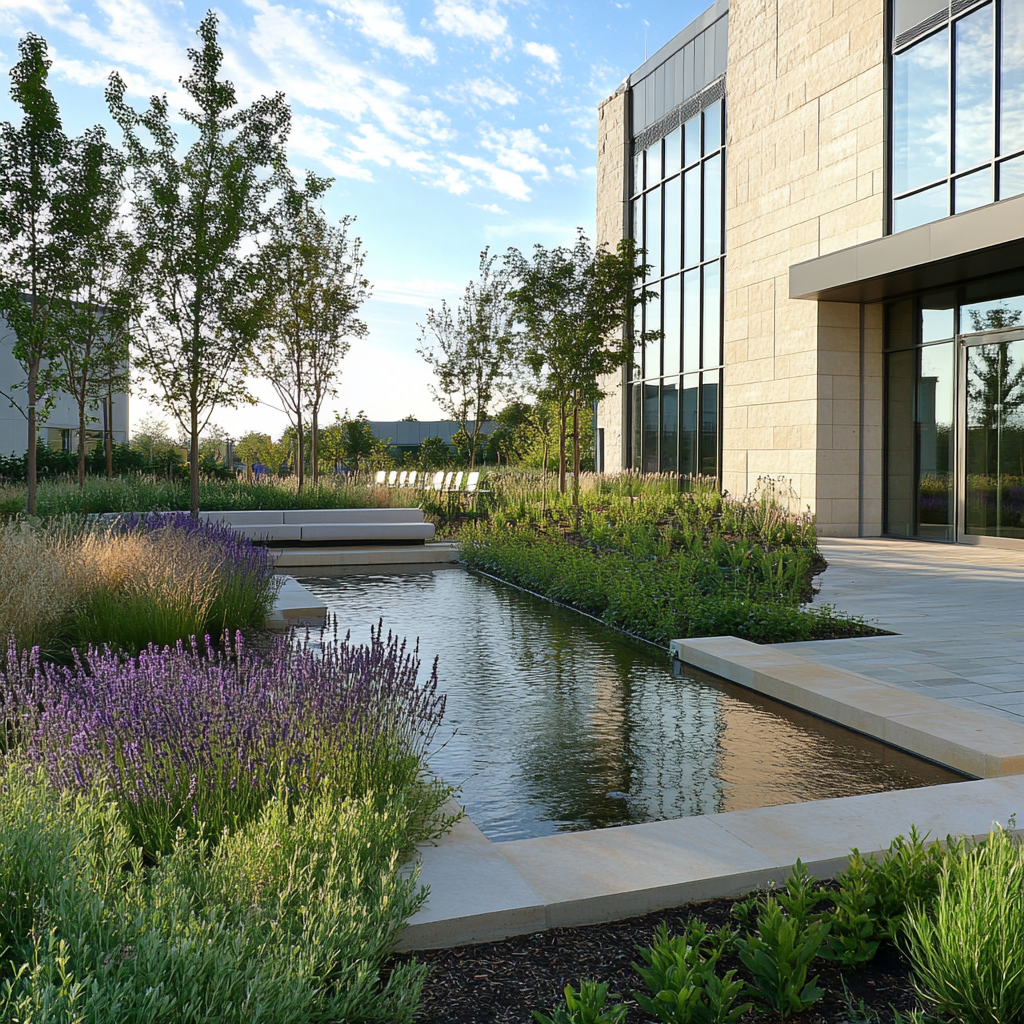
60	428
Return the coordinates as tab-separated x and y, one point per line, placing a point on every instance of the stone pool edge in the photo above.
968	741
484	892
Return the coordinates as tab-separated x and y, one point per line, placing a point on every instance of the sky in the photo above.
447	125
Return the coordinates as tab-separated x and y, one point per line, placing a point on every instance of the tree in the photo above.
574	304
34	267
197	218
473	352
154	442
318	287
91	340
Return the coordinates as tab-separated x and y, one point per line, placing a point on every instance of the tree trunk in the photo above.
108	440
193	464
300	447
30	469
575	454
81	444
563	415
314	447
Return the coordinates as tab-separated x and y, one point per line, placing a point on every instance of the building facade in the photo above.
60	428
831	197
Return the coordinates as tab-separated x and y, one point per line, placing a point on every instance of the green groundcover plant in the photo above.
955	910
658	562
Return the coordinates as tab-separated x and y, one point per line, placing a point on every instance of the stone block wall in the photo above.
805	176
613	155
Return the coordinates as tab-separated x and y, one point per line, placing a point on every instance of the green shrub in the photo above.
288	920
778	957
965	946
907	874
655	598
680	974
585	1007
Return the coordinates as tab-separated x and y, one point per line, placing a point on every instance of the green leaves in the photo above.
197	218
585	1007
778	957
680	973
965	944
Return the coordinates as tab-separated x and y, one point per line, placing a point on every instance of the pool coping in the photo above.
968	741
481	891
295	606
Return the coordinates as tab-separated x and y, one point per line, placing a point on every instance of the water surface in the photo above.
557	723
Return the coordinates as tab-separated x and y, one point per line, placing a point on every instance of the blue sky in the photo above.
448	125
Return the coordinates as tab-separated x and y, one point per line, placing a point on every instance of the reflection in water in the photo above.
560	724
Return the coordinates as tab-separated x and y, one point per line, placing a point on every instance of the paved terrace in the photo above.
958	610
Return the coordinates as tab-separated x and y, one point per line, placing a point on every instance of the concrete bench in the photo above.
338	526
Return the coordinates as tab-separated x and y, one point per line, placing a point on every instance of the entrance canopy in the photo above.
989	240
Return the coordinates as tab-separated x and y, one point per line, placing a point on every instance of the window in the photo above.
958	109
677	211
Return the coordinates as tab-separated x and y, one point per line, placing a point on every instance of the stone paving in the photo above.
958	611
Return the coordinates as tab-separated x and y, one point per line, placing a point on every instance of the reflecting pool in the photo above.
556	723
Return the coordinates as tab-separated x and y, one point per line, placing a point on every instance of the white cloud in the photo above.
466	21
490	207
384	24
543	52
483	92
502	180
568	171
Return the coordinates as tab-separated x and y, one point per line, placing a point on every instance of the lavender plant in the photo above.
200	738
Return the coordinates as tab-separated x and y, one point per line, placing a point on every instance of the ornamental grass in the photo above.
155	579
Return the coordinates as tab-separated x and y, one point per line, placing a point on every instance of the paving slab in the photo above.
958	610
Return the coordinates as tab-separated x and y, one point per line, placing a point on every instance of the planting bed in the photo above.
503	982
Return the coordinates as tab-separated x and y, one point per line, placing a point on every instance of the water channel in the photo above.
556	723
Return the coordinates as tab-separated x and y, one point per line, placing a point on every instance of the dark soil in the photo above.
503	982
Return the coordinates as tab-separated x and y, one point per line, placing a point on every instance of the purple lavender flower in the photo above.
194	733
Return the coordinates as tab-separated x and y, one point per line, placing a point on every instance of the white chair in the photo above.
448	482
457	482
438	480
412	478
402	477
392	477
471	482
381	477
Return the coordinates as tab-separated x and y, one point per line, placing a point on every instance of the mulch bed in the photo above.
502	982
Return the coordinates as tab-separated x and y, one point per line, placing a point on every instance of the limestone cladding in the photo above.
803	380
613	157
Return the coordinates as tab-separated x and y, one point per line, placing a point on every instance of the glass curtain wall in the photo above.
957	108
955	412
678	219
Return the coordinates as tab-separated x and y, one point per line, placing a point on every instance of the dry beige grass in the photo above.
45	573
39	584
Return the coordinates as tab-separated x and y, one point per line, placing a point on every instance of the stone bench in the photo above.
327	526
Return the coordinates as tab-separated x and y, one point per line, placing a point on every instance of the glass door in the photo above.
993	450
